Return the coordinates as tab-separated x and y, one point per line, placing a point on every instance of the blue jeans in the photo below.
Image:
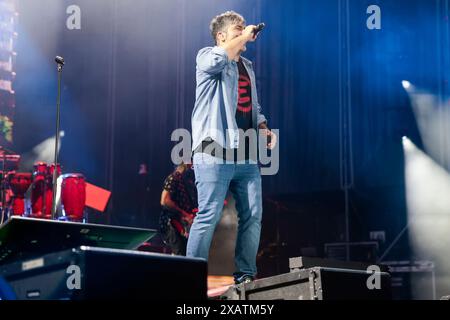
213	181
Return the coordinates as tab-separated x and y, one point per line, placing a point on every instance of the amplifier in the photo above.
412	280
316	283
99	273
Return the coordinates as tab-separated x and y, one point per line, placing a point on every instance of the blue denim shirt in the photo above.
214	114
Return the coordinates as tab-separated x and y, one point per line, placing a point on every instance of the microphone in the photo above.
59	60
258	28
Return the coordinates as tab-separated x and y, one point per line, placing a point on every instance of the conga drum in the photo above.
41	193
19	184
40	169
73	196
51	169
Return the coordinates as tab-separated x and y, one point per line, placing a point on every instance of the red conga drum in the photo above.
73	196
40	169
19	184
42	192
51	169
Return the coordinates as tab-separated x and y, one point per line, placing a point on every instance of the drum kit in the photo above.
31	194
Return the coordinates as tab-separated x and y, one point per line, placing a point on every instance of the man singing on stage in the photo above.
226	102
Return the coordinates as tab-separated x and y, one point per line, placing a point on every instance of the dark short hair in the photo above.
220	22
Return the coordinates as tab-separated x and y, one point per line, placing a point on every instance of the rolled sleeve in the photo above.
260	117
212	59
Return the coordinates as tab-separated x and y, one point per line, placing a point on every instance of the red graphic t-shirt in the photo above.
244	107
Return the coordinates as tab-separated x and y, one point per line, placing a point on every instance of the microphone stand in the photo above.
60	63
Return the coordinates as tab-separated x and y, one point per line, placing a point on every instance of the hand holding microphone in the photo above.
258	28
251	31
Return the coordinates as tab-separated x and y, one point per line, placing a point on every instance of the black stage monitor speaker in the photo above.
23	238
97	273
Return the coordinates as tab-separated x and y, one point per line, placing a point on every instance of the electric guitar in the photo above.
180	223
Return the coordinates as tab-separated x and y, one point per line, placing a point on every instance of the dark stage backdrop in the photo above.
328	83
